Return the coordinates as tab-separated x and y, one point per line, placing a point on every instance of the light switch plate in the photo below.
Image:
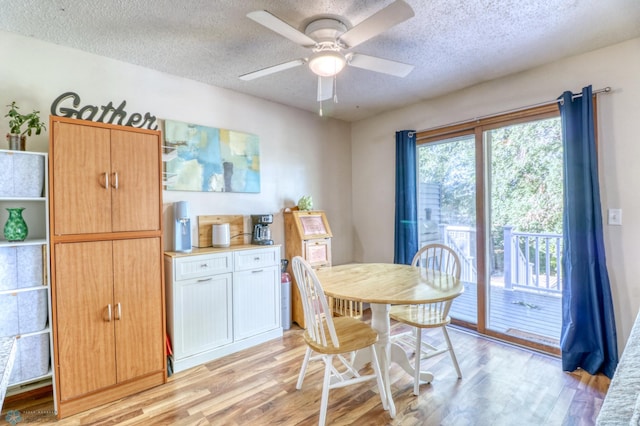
615	216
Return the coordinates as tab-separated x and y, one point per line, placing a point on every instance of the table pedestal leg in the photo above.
388	352
380	322
399	356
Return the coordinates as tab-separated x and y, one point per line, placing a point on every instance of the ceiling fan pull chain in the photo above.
335	90
320	112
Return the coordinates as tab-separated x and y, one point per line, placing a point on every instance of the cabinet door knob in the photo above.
106	180
109	312
115	180
118	311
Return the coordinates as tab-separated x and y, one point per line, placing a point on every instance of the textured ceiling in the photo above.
452	43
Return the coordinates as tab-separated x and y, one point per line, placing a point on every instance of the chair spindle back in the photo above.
442	258
317	315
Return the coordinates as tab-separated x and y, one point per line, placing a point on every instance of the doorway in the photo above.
493	192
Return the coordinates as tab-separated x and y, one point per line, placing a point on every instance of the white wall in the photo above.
301	153
618	66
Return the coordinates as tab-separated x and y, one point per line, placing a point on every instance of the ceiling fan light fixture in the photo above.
327	63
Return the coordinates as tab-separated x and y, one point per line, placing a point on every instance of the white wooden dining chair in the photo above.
441	258
329	338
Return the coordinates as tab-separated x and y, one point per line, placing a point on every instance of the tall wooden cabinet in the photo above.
307	234
106	180
106	269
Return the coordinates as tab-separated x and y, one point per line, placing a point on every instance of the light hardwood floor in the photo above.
501	385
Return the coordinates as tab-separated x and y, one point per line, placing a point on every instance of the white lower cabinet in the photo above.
202	315
220	302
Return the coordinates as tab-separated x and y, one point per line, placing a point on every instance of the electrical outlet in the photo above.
615	216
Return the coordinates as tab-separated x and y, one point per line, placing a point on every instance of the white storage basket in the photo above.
23	312
21	267
32	358
22	174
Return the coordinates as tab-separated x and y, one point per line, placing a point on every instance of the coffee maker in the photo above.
261	232
181	227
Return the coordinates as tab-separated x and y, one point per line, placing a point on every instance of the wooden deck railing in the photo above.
462	240
532	261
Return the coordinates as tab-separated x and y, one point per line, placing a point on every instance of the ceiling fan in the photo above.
330	41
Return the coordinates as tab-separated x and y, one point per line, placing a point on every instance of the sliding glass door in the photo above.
525	230
447	209
493	192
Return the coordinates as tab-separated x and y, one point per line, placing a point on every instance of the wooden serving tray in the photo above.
236	227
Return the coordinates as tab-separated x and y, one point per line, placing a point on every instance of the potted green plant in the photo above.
21	126
305	203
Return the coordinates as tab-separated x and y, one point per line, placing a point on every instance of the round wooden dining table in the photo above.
382	285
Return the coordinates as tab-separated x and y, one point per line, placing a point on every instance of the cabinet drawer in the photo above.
203	265
257	258
318	252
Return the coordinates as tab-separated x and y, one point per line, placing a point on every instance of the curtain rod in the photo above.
575	96
579	95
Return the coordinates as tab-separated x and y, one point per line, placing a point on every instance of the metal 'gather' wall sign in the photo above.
101	114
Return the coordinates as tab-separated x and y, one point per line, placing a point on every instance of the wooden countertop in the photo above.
209	250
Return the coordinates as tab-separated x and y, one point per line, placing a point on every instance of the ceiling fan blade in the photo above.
273	69
277	25
392	15
385	66
325	88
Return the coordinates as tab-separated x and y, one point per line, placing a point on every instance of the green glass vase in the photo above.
16	228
